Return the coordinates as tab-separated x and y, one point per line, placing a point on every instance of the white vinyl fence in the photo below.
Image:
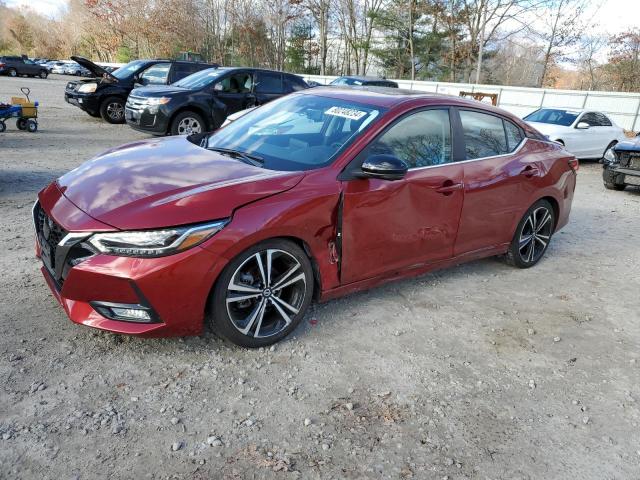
623	108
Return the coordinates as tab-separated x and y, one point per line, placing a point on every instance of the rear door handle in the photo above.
449	187
530	171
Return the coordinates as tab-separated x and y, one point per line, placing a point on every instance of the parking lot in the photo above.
482	371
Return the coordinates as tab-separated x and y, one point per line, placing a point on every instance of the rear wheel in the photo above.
32	126
112	110
262	295
187	123
532	236
13	72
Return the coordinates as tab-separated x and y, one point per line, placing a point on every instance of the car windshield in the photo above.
553	116
200	79
296	132
127	70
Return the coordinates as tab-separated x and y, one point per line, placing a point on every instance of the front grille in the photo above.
50	231
137	103
71	253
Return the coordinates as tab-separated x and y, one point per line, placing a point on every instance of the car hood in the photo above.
548	128
157	91
167	182
97	70
630	145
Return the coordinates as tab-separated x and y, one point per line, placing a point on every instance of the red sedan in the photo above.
315	195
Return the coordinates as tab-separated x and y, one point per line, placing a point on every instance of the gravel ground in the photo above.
477	372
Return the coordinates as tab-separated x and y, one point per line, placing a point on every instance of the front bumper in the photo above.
175	289
142	119
86	102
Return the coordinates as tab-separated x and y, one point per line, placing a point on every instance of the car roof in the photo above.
390	97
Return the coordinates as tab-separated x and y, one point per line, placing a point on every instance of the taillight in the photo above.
574	164
2	65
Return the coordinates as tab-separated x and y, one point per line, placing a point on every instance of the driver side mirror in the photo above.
582	126
384	167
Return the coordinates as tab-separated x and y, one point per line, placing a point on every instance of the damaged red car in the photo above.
315	195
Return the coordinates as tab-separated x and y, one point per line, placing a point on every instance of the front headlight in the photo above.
88	88
610	156
154	243
158	100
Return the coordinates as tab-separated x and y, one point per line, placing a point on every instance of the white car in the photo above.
60	68
584	133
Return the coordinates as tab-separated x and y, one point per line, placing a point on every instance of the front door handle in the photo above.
448	187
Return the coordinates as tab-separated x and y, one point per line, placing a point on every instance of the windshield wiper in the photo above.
249	158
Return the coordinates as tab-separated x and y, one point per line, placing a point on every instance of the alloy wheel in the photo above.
265	292
189	126
115	111
535	235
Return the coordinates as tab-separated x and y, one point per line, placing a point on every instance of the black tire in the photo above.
187	123
532	237
266	314
12	72
43	74
609	179
112	110
21	123
3	126
32	126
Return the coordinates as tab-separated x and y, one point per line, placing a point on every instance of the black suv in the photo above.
106	95
202	101
622	165
16	66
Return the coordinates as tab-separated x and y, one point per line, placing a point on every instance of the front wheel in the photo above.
112	110
262	295
532	236
3	126
32	126
43	74
187	123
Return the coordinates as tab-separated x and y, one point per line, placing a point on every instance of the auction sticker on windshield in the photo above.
349	113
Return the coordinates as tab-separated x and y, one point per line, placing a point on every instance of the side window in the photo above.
293	84
484	135
603	120
268	82
237	83
421	139
514	135
182	70
591	119
156	74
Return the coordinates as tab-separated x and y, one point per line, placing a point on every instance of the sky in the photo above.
612	16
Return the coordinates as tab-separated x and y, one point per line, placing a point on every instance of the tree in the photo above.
563	26
624	61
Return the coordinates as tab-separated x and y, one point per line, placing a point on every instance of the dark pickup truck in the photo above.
622	165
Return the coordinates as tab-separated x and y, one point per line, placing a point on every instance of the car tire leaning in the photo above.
532	237
112	110
187	123
261	296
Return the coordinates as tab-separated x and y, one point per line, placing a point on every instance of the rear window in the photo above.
484	135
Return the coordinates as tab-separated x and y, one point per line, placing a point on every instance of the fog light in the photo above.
126	312
131	313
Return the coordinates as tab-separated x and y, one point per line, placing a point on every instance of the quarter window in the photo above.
484	135
422	139
514	135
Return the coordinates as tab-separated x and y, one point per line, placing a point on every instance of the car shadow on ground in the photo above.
26	181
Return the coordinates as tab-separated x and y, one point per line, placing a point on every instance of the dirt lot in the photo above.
477	372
